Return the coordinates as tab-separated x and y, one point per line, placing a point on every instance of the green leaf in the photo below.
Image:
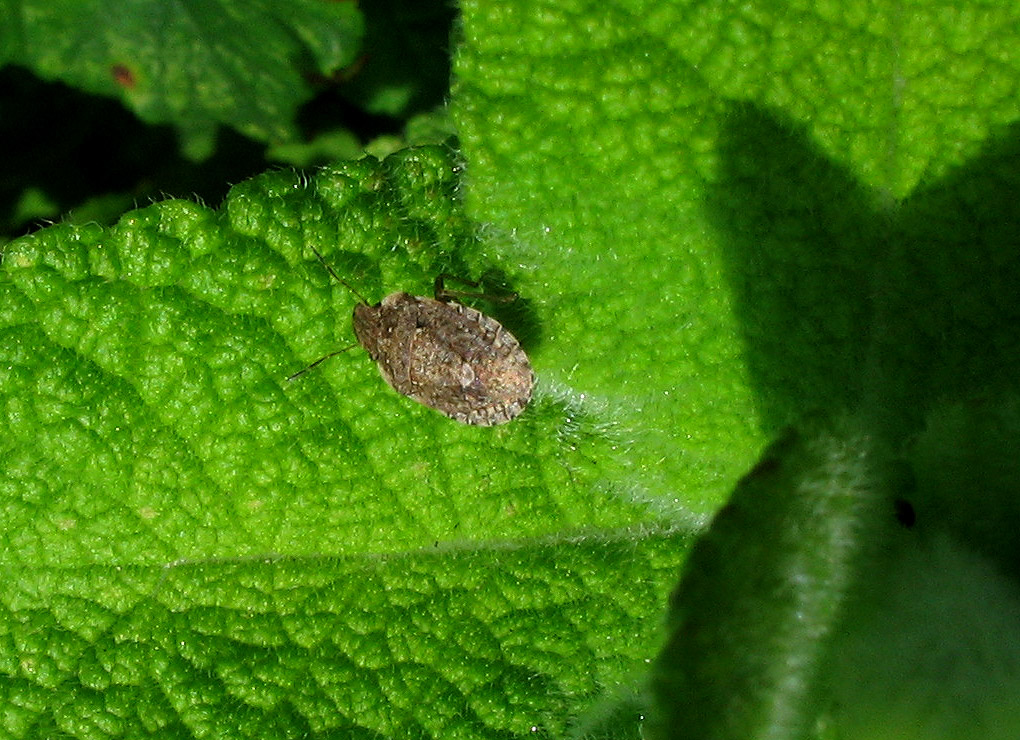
933	652
189	321
806	612
196	545
457	641
745	661
767	212
589	163
193	63
897	94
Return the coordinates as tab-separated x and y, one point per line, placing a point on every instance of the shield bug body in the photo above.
444	355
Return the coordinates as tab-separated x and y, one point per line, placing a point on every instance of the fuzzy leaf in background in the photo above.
193	63
790	212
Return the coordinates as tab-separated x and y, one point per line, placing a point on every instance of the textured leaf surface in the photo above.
193	63
896	93
744	661
451	642
602	176
732	256
699	264
192	544
783	210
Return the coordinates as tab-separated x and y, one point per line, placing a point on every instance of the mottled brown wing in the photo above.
466	365
448	357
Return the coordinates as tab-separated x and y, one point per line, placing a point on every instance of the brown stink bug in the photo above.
442	354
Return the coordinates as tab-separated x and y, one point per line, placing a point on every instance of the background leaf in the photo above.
897	95
596	186
751	248
746	660
193	63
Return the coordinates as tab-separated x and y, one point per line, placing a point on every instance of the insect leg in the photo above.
445	295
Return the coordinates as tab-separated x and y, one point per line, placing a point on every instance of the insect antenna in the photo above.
337	277
321	360
349	287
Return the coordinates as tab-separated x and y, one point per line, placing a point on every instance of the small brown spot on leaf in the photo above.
123	76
